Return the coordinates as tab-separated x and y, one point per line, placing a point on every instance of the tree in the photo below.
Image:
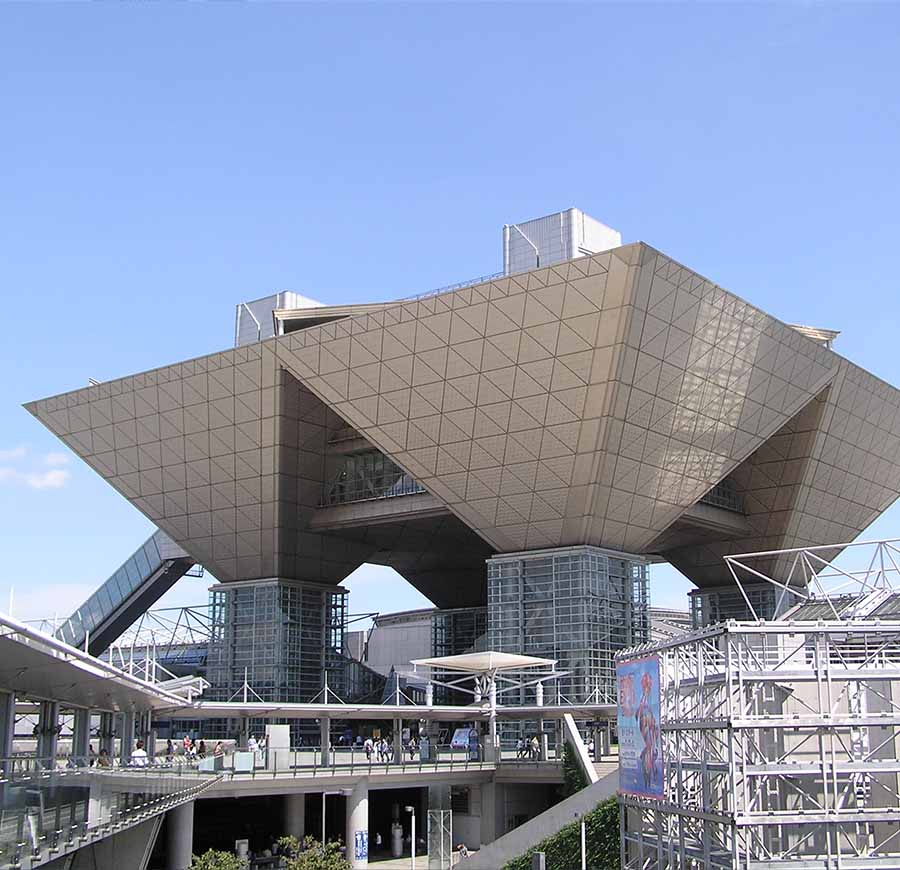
309	855
213	859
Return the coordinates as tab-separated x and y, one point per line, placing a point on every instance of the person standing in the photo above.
139	755
368	748
170	751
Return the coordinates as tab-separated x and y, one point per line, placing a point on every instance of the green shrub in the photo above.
563	849
213	859
309	855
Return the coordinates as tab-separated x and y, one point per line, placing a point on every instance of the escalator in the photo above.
141	580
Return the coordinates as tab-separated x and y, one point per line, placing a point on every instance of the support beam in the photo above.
81	736
107	734
325	740
180	837
126	737
48	730
358	826
295	815
7	723
398	741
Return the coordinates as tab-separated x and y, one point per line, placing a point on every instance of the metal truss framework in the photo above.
781	739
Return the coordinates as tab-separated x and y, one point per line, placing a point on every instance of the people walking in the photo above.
368	748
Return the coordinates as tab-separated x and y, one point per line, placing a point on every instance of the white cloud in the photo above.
16	473
53	479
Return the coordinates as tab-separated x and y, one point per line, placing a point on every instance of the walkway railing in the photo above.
48	811
349	761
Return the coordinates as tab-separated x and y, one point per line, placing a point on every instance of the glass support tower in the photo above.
456	631
280	636
578	605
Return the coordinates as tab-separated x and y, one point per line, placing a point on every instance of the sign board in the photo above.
640	740
460	739
360	845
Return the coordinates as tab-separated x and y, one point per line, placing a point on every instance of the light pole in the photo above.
412	816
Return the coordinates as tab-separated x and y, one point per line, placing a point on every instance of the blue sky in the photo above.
160	163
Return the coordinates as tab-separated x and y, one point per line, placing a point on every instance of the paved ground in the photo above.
399	863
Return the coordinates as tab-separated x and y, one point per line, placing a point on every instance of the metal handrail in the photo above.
307	761
43	833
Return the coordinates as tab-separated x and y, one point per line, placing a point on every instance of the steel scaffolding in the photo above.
781	739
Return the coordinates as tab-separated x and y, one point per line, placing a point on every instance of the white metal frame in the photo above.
781	738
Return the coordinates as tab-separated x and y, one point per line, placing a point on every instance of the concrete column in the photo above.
95	801
48	730
357	839
492	729
126	737
325	740
144	732
493	812
180	837
7	723
606	740
398	741
107	733
295	815
81	736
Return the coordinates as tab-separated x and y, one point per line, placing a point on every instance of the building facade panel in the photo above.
595	401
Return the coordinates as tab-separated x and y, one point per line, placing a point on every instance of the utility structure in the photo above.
780	738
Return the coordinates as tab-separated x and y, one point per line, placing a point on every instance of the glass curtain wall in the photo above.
280	636
578	605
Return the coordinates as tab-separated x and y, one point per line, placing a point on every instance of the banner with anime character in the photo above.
640	743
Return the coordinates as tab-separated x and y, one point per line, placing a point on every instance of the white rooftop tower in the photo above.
554	238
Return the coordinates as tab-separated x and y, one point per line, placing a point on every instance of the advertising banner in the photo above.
640	741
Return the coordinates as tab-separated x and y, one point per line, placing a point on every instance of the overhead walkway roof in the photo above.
37	666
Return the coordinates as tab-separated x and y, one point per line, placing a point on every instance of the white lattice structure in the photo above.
781	739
